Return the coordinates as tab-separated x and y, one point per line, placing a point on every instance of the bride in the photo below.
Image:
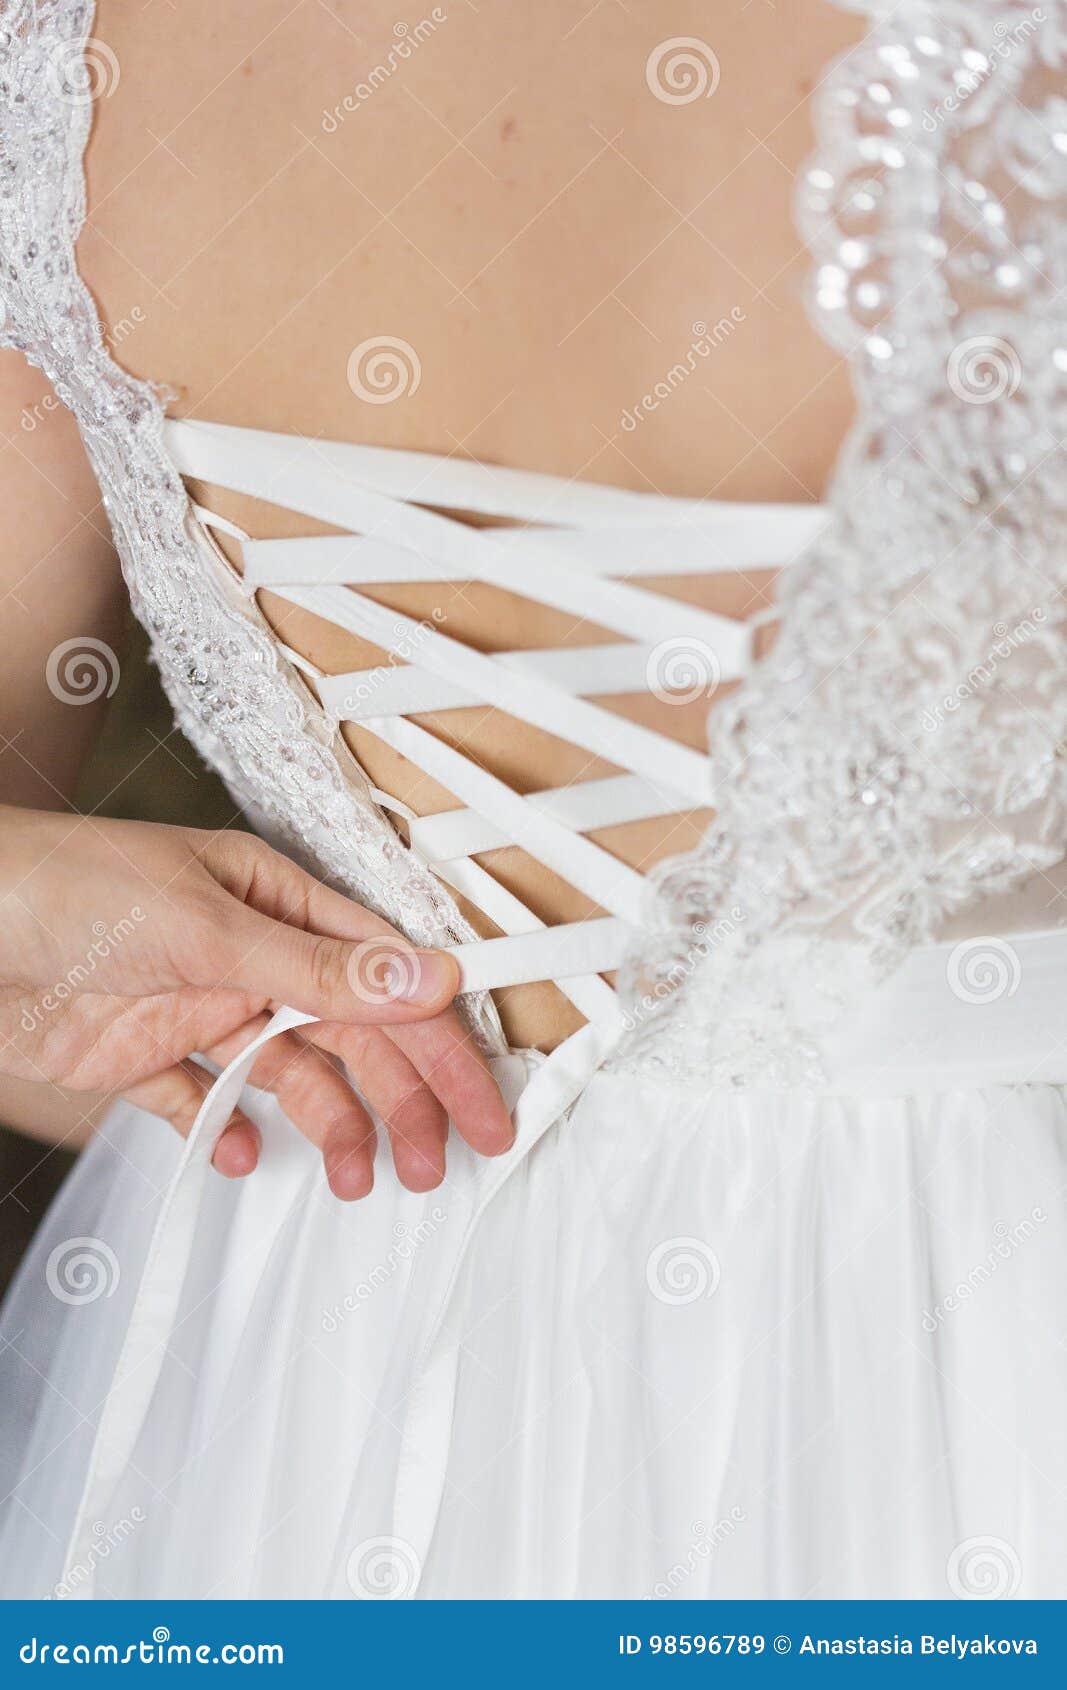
466	446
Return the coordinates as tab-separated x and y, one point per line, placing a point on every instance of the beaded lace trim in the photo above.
244	708
901	752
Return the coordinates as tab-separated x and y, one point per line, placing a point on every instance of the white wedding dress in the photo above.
768	1298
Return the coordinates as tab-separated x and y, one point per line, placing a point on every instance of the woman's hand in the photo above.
126	947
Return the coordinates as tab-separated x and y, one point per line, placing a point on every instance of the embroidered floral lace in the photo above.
903	751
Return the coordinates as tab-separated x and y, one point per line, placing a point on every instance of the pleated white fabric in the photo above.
680	1342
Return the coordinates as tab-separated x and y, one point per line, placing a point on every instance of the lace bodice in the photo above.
900	754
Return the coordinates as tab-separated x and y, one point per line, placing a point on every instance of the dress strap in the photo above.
303	479
580	671
543	705
589	867
589	804
575	556
463	485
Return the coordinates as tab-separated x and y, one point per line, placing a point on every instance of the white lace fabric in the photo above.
900	754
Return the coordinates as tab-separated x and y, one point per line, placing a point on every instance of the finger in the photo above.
176	1095
416	1121
443	1052
237	1152
372	981
348	1155
274	885
374	974
316	1097
449	1060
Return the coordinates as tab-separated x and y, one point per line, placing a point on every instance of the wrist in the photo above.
30	842
27	837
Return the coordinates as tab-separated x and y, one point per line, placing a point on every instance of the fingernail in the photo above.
380	971
435	976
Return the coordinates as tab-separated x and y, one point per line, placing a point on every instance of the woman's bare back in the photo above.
508	194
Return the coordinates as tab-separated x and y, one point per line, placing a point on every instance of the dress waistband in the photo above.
989	1010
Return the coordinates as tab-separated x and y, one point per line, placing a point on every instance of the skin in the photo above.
203	935
517	205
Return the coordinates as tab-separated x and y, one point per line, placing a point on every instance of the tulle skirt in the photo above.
692	1342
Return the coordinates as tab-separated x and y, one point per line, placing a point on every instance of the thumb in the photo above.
378	980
